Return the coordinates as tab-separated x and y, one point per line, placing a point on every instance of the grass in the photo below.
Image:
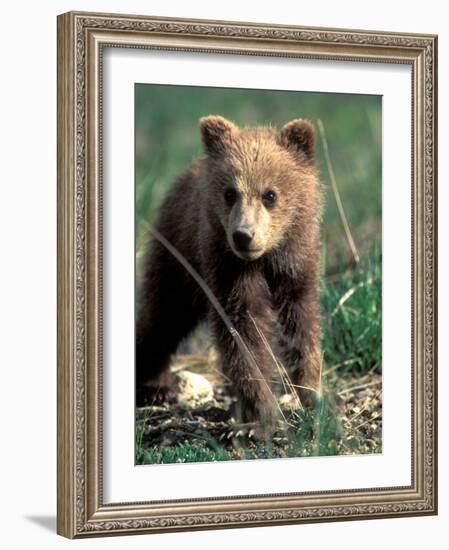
182	453
313	434
351	317
347	419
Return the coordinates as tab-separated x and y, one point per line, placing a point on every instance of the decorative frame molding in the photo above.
81	38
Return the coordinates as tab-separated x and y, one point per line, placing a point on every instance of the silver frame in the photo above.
82	38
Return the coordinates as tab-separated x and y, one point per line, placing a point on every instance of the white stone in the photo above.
194	390
289	402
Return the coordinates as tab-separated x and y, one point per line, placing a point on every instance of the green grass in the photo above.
351	342
351	309
182	453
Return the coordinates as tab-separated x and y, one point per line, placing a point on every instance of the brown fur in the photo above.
274	279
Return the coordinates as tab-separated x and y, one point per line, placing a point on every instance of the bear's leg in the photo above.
298	313
171	307
245	357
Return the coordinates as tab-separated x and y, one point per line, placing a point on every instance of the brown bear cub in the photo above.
246	217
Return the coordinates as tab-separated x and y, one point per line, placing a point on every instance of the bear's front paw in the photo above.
241	431
262	420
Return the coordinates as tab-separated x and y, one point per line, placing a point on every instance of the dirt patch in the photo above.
349	422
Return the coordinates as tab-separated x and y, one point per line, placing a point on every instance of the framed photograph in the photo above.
246	274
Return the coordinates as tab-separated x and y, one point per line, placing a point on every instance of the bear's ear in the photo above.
299	135
217	133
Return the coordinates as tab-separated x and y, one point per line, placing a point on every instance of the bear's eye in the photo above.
269	198
230	196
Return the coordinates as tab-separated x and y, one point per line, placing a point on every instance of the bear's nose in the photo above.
242	237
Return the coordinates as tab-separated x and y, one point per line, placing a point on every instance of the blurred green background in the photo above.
168	139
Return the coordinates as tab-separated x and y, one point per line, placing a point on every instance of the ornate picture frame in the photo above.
82	39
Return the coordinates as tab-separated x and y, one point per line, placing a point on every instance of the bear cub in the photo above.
246	217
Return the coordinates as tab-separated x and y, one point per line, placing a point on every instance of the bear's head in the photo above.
263	183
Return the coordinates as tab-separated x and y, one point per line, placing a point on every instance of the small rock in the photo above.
289	402
194	390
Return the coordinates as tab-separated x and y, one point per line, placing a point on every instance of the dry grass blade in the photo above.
339	365
373	417
285	379
309	388
359	387
349	293
336	192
